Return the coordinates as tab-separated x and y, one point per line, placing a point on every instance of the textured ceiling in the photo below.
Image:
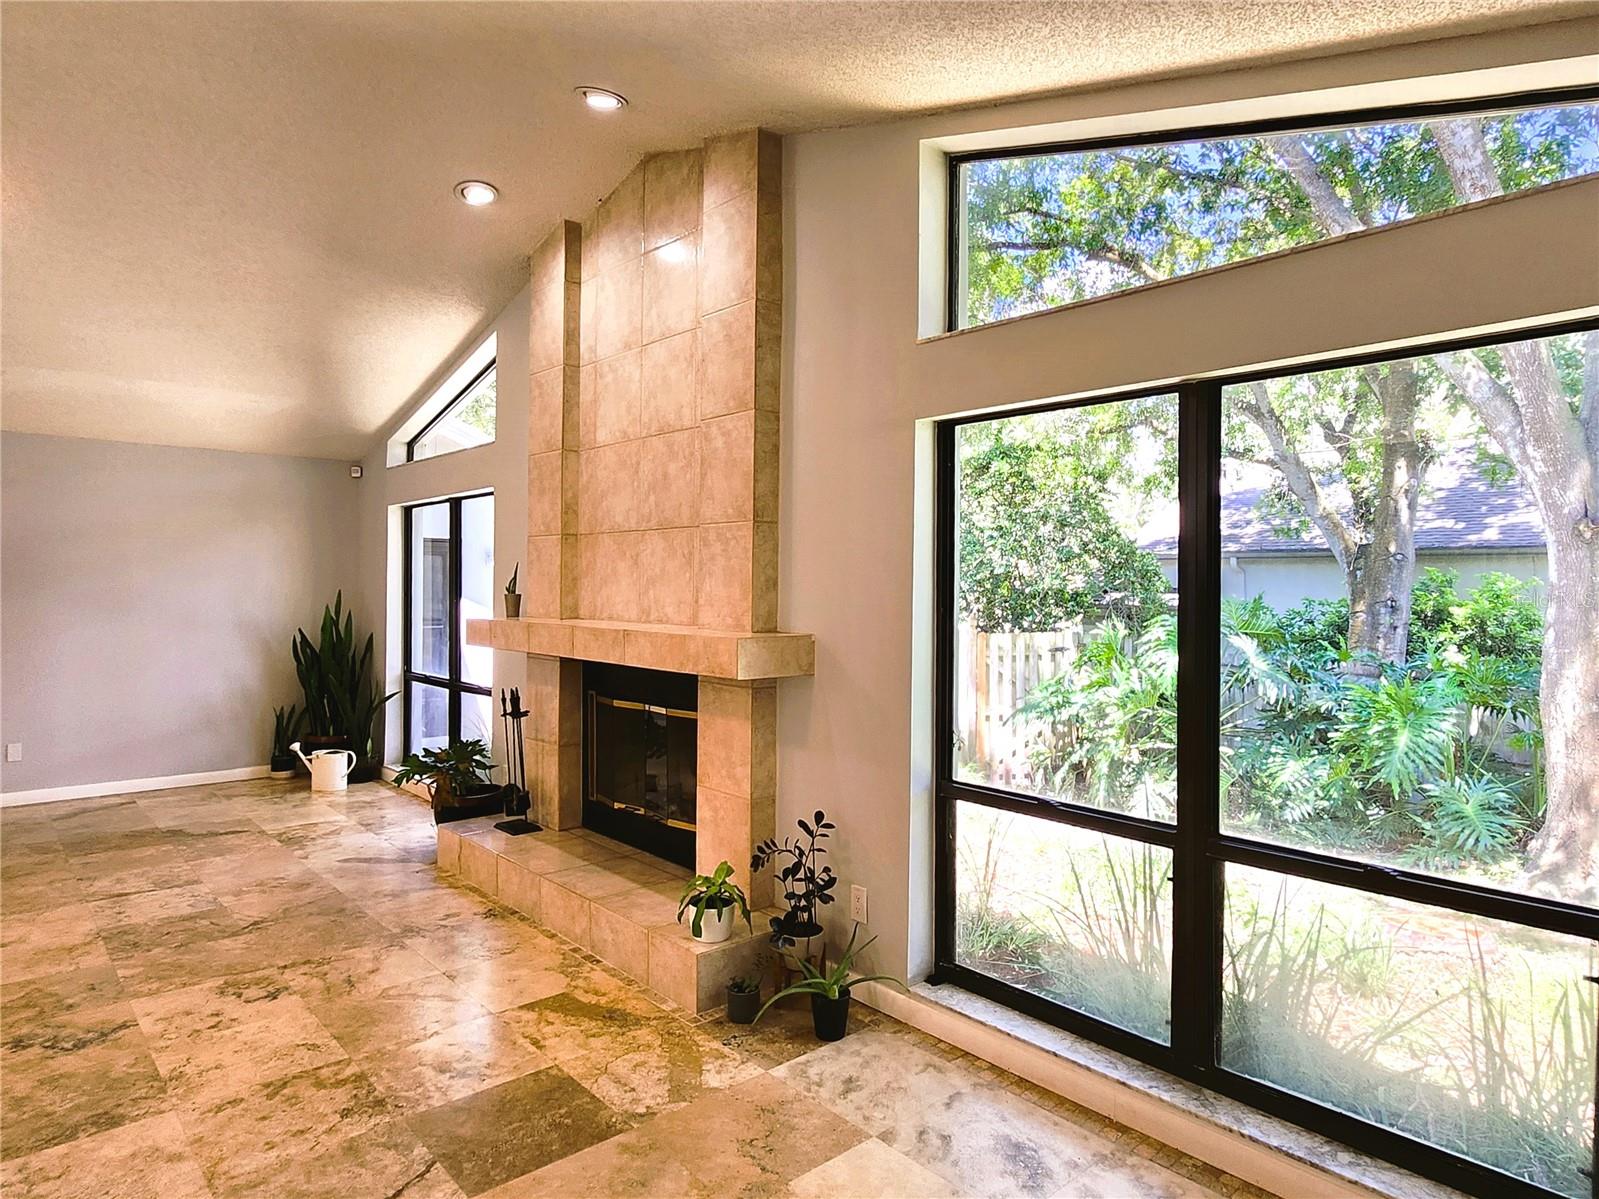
231	225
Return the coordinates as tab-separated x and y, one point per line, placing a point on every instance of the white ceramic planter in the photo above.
717	925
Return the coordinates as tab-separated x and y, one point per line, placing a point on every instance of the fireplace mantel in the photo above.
716	653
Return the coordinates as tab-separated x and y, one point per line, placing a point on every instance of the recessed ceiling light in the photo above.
602	100
476	193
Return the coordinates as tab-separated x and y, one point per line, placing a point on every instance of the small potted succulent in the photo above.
285	729
713	898
744	998
513	598
829	990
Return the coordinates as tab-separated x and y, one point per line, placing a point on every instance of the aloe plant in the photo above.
834	981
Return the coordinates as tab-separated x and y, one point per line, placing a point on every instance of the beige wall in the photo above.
500	466
856	462
150	595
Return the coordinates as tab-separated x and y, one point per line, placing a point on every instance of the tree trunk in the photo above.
1382	573
1563	860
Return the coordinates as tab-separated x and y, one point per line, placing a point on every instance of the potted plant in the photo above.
807	885
285	726
714	898
342	700
744	998
513	599
830	990
456	776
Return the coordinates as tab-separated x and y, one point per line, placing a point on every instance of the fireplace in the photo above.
640	746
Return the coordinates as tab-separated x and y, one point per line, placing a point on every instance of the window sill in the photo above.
1232	1136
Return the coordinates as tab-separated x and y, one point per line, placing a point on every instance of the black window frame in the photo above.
454	684
1200	848
955	199
455	402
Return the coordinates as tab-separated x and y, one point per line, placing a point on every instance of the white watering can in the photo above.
330	768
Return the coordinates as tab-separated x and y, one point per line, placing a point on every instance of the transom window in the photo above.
1258	755
464	422
1053	225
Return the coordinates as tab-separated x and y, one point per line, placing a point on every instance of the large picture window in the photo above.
449	579
1265	742
1053	225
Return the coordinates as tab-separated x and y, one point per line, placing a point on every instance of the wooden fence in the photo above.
994	674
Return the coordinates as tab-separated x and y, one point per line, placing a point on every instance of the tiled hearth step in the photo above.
617	902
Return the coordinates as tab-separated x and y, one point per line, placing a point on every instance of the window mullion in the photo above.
1197	881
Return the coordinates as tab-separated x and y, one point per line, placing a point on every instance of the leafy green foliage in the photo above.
712	892
1037	546
1043	230
448	770
831	981
1408	760
1470	817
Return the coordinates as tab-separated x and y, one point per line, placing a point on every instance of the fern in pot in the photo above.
829	989
714	899
456	776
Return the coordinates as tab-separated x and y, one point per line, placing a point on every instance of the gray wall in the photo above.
149	595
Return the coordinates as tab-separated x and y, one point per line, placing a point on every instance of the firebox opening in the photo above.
640	741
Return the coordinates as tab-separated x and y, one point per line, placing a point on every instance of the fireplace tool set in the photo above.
518	803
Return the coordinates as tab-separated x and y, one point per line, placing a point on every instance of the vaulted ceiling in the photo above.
231	225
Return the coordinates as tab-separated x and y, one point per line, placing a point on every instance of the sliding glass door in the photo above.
1266	719
449	579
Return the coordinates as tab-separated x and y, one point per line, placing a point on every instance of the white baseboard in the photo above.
16	799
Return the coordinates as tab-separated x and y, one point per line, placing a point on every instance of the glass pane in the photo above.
1389	588
1472	1034
469	422
478	714
430	590
1049	229
1066	636
478	591
430	717
1078	917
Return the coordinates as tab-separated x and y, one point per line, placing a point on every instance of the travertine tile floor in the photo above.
247	990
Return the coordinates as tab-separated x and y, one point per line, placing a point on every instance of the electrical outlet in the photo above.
13	751
857	903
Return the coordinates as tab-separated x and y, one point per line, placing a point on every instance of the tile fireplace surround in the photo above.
653	409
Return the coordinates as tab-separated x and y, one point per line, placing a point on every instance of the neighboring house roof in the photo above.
1460	510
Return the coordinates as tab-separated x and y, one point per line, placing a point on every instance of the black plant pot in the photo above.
830	1016
282	765
481	799
743	1005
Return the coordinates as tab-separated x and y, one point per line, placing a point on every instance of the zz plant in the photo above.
807	885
